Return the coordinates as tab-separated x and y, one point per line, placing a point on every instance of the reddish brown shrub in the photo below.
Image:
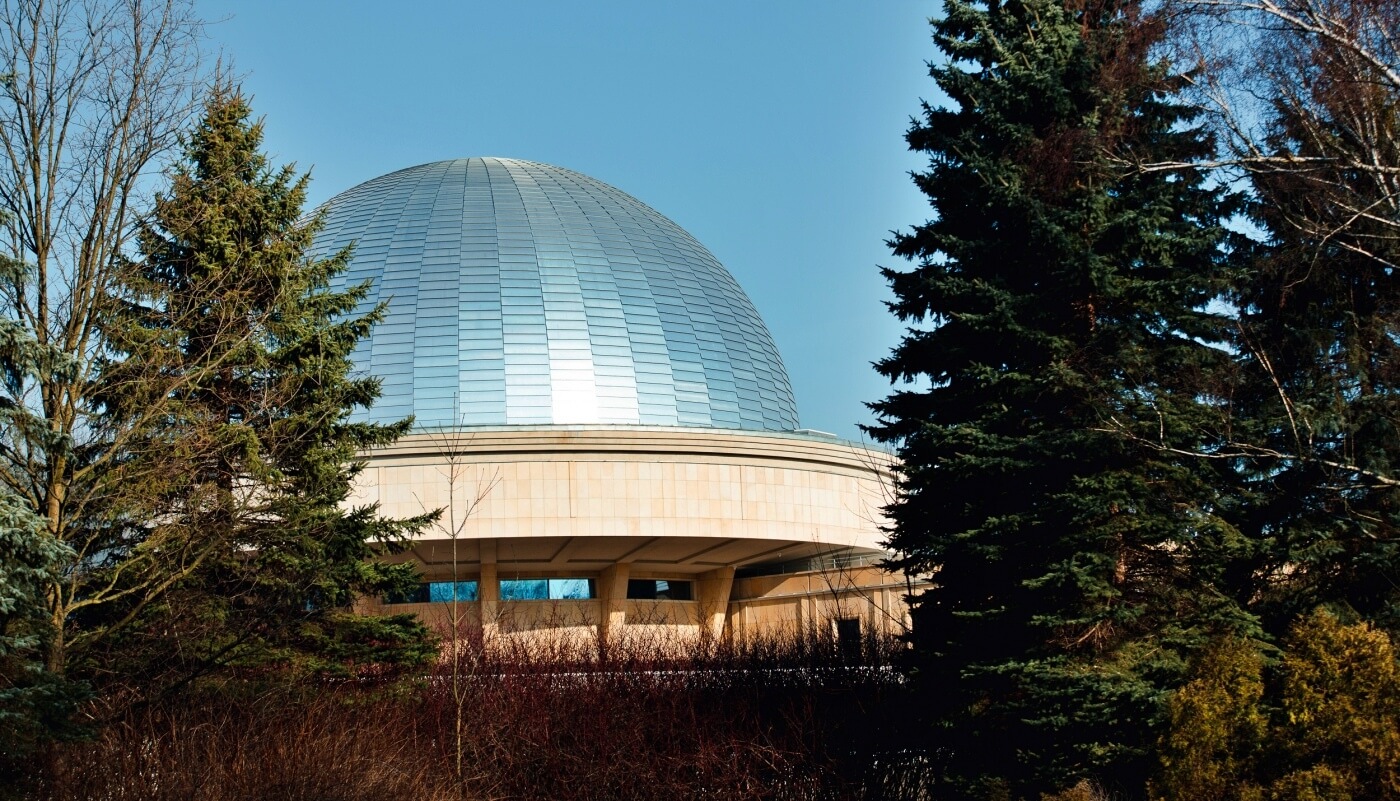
789	719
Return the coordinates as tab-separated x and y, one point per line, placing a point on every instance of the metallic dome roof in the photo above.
524	294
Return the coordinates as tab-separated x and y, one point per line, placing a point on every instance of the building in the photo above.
602	415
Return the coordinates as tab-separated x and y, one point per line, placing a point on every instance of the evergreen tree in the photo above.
232	369
1058	304
35	704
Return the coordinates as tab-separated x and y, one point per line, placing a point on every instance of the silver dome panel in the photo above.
524	294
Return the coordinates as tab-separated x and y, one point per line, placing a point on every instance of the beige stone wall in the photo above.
617	502
662	622
635	482
811	601
793	604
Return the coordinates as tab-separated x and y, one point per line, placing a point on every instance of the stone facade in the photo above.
766	531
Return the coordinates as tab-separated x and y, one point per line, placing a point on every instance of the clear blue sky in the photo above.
771	131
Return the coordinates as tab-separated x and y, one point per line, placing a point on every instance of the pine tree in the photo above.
237	484
1058	304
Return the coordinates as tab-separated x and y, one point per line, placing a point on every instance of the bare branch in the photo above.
98	92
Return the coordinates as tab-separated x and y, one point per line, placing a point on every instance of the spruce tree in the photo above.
1059	311
232	369
36	704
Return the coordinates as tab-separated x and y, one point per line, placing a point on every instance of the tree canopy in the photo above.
1060	314
237	491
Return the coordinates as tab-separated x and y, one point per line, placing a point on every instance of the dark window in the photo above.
436	592
659	590
848	636
417	595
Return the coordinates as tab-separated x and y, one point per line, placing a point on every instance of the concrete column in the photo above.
612	601
488	591
712	591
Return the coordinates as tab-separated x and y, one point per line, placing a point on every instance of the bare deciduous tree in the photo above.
1305	100
95	92
1304	96
467	490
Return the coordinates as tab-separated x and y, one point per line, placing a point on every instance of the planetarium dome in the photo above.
604	422
524	294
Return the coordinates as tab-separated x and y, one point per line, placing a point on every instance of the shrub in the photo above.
776	719
1217	728
1339	725
1327	729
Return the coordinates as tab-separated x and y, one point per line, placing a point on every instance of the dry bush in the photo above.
655	716
331	746
1083	791
779	718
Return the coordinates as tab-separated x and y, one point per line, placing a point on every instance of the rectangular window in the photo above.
436	592
659	590
524	590
848	637
442	591
417	595
570	589
561	589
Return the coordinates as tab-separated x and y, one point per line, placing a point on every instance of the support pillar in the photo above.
612	602
488	592
713	590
